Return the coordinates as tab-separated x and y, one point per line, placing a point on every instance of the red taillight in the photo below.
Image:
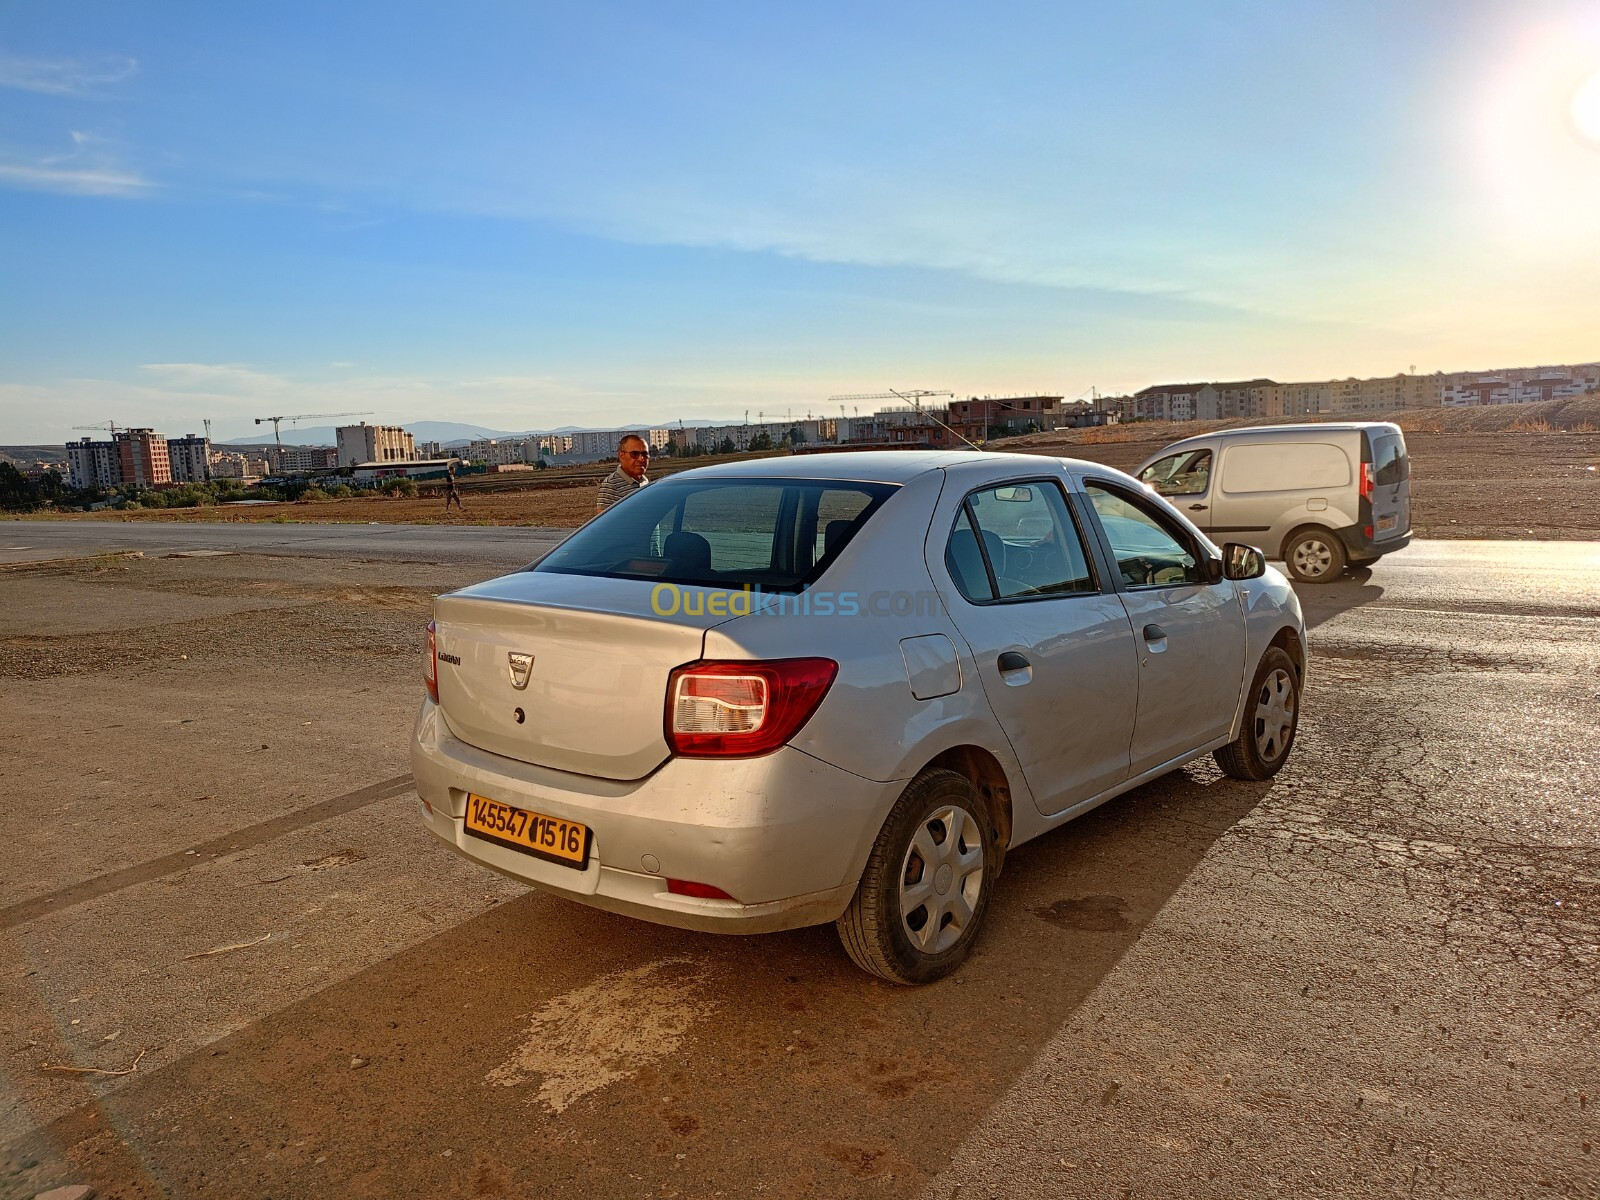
430	664
685	887
740	709
1368	483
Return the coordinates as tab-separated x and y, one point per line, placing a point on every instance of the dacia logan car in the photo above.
839	687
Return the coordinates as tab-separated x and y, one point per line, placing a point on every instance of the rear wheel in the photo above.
1271	717
925	890
1314	556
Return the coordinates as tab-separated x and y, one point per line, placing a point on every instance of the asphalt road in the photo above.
1373	976
507	547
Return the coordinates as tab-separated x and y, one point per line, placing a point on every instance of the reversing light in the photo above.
1369	482
738	709
430	664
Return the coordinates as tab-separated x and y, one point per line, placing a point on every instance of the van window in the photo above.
1390	463
1184	474
1284	467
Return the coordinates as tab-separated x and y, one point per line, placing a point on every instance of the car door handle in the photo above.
1154	633
1197	508
1012	661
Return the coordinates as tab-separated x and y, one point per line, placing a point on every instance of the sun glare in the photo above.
1586	109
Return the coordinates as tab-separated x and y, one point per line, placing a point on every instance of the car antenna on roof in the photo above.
912	396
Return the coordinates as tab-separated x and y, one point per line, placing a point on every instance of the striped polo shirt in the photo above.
617	486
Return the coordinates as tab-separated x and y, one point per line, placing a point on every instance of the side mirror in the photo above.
1242	562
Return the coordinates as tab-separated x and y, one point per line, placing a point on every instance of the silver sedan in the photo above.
840	687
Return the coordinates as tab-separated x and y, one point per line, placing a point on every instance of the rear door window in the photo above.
1390	463
775	535
1017	541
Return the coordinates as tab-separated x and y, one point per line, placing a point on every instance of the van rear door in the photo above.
1391	483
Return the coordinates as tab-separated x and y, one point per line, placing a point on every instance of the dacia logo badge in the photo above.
521	668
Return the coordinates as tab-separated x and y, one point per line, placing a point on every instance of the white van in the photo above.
1319	497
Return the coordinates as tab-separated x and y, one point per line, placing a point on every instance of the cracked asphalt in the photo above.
233	965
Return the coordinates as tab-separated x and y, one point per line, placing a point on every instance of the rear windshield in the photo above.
1389	461
776	535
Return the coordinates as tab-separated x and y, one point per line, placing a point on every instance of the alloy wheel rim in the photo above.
941	879
1274	716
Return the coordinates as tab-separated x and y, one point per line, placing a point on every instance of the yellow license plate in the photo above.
1388	522
564	842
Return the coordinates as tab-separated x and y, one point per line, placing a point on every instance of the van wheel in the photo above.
925	890
1314	556
1271	717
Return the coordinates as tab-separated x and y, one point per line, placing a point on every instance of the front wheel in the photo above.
1271	717
1314	556
925	890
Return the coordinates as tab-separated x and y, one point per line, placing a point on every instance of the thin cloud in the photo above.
64	76
80	182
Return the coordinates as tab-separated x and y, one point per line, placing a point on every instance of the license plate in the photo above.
564	842
1388	522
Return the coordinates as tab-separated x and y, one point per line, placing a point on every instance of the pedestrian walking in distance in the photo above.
452	492
633	459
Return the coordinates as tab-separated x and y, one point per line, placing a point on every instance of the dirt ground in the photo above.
232	963
1508	484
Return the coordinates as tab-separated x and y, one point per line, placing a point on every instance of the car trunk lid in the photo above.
564	671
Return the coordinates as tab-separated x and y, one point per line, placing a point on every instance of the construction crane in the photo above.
278	437
111	425
914	396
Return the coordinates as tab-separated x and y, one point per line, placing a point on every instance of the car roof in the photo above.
1269	432
865	466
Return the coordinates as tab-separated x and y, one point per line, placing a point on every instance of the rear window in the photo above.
1389	461
776	535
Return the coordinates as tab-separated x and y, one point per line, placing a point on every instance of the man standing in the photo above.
452	491
633	457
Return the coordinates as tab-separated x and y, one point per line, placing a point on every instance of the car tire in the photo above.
1314	556
1271	718
900	926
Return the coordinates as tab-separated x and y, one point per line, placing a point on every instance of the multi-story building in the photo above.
365	443
306	458
190	458
130	456
498	453
603	443
92	463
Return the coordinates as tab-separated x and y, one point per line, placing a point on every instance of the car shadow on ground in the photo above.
545	1048
1321	602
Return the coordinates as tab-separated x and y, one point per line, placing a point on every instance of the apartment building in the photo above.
189	458
1518	386
603	443
365	443
975	416
500	453
307	458
129	456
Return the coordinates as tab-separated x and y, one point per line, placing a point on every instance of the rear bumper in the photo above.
1359	546
786	834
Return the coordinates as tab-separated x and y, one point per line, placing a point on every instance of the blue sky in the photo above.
534	215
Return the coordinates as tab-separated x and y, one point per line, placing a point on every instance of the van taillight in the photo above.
1368	482
430	664
734	709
